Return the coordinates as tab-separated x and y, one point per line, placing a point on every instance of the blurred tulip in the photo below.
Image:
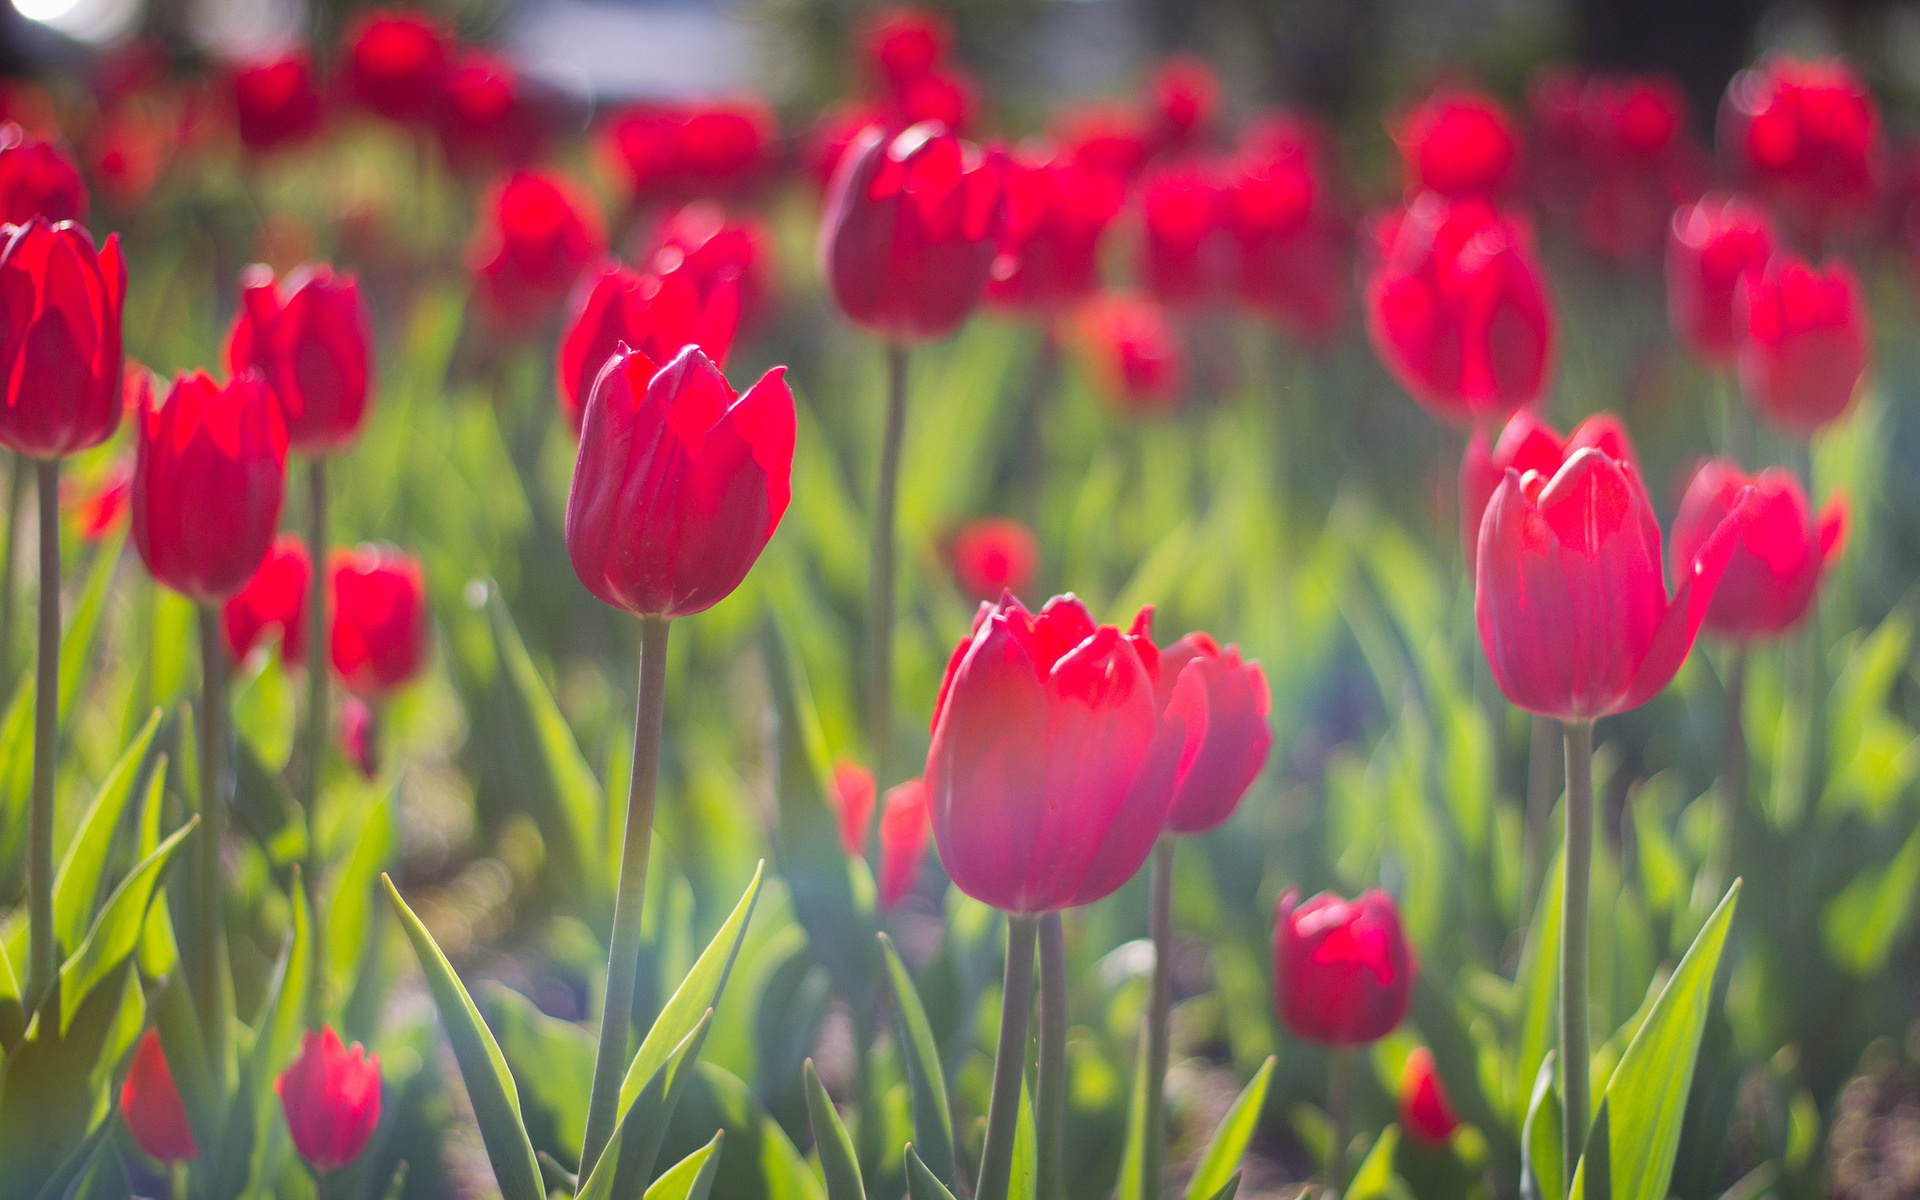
908	234
1113	139
1779	549
208	483
487	117
1291	248
1806	133
274	600
60	354
1184	255
150	1105
128	151
1458	311
995	556
720	253
904	825
331	1099
1132	352
396	62
1613	157
1803	344
1049	255
834	133
276	102
1527	444
313	344
1342	969
1711	246
1186	97
1425	1109
654	315
1053	765
1569	596
853	796
102	508
1457	143
536	235
38	179
900	44
678	484
676	153
360	736
1238	737
379	638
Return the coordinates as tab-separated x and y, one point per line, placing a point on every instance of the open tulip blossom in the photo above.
1780	548
1803	342
331	1097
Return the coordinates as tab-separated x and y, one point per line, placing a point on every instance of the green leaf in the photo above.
1375	1179
1133	1153
1231	1189
1636	1132
276	1032
1023	1179
759	1161
350	904
692	1177
116	932
13	1016
1862	924
496	1102
263	713
1222	1160
76	645
622	1171
932	1120
921	1182
1543	1172
76	886
51	1095
837	1159
159	953
1538	981
74	1171
552	1059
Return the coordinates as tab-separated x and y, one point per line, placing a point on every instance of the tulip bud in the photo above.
60	355
1426	1112
487	117
1712	246
1805	132
657	548
1184	252
360	736
903	841
853	797
396	62
313	346
1803	346
1057	211
1527	444
273	601
1613	156
1108	138
1342	969
150	1105
38	179
904	43
1779	550
655	315
1186	97
1132	352
208	480
331	1098
908	234
1292	259
535	236
1053	764
275	101
378	599
675	153
1458	143
994	556
1238	738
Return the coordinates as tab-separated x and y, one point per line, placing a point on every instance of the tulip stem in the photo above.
1543	787
1009	1060
211	965
1576	1095
41	953
1731	794
623	961
1339	1117
1160	927
318	652
16	495
880	577
1051	1106
1737	436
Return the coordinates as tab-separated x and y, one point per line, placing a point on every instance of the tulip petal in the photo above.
1680	624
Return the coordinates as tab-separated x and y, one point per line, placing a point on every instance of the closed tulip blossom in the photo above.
719	252
488	115
655	315
909	231
904	43
1527	444
1803	345
536	235
1457	143
854	793
1185	96
360	736
379	638
331	1099
274	601
904	826
1184	259
1426	1111
1807	133
1712	245
60	304
679	482
150	1105
276	102
1238	738
38	179
1779	553
1458	311
1057	213
208	483
311	339
1132	351
1291	248
1342	969
994	555
673	153
1614	156
397	62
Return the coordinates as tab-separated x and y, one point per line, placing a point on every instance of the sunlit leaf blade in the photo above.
932	1119
921	1183
837	1160
1543	1174
159	953
1133	1153
116	932
692	1177
1023	1180
625	1166
1231	1189
1222	1160
1538	981
1375	1179
76	885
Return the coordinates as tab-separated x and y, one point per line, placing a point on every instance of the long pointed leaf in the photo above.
692	1177
1222	1161
921	1182
1133	1153
116	932
837	1160
627	1163
1543	1174
76	886
932	1119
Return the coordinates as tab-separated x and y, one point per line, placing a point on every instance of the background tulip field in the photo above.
431	614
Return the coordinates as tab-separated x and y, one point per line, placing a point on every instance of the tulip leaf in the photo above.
76	886
349	906
116	932
1538	982
1862	924
13	1017
759	1161
83	626
922	1184
932	1119
1636	1130
1231	1189
692	1177
556	1175
496	1102
64	1182
1375	1179
277	1030
623	1168
1543	1173
1133	1153
837	1160
159	953
553	1061
1222	1160
51	1095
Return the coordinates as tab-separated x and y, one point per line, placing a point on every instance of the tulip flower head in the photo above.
903	841
1780	548
310	337
1112	139
854	792
1803	344
1053	763
1291	249
994	556
38	179
1186	97
653	314
1132	351
276	102
1457	143
331	1099
1426	1111
1238	738
1057	212
679	482
488	116
1185	251
397	62
60	304
273	601
719	253
904	43
379	639
535	236
1614	158
1342	969
1807	133
150	1105
1712	246
681	152
1527	444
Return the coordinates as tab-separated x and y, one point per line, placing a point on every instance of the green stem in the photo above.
1736	440
1543	787
1730	795
880	579
623	961
1009	1060
211	967
1340	1068
1051	1105
318	653
1576	1095
41	953
16	496
1160	926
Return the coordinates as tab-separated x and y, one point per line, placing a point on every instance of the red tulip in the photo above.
679	483
397	62
1113	139
1803	346
102	508
1185	97
834	134
1184	253
379	639
1132	352
1425	1109
1238	738
275	101
313	345
210	475
993	556
537	233
1458	311
150	1105
903	841
38	179
1291	248
128	151
655	315
486	117
1527	444
908	234
1779	549
60	356
360	736
949	97
1712	246
902	44
1457	143
273	601
1049	254
1053	765
676	153
853	797
1806	133
720	253
1342	969
1614	158
1570	599
331	1098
